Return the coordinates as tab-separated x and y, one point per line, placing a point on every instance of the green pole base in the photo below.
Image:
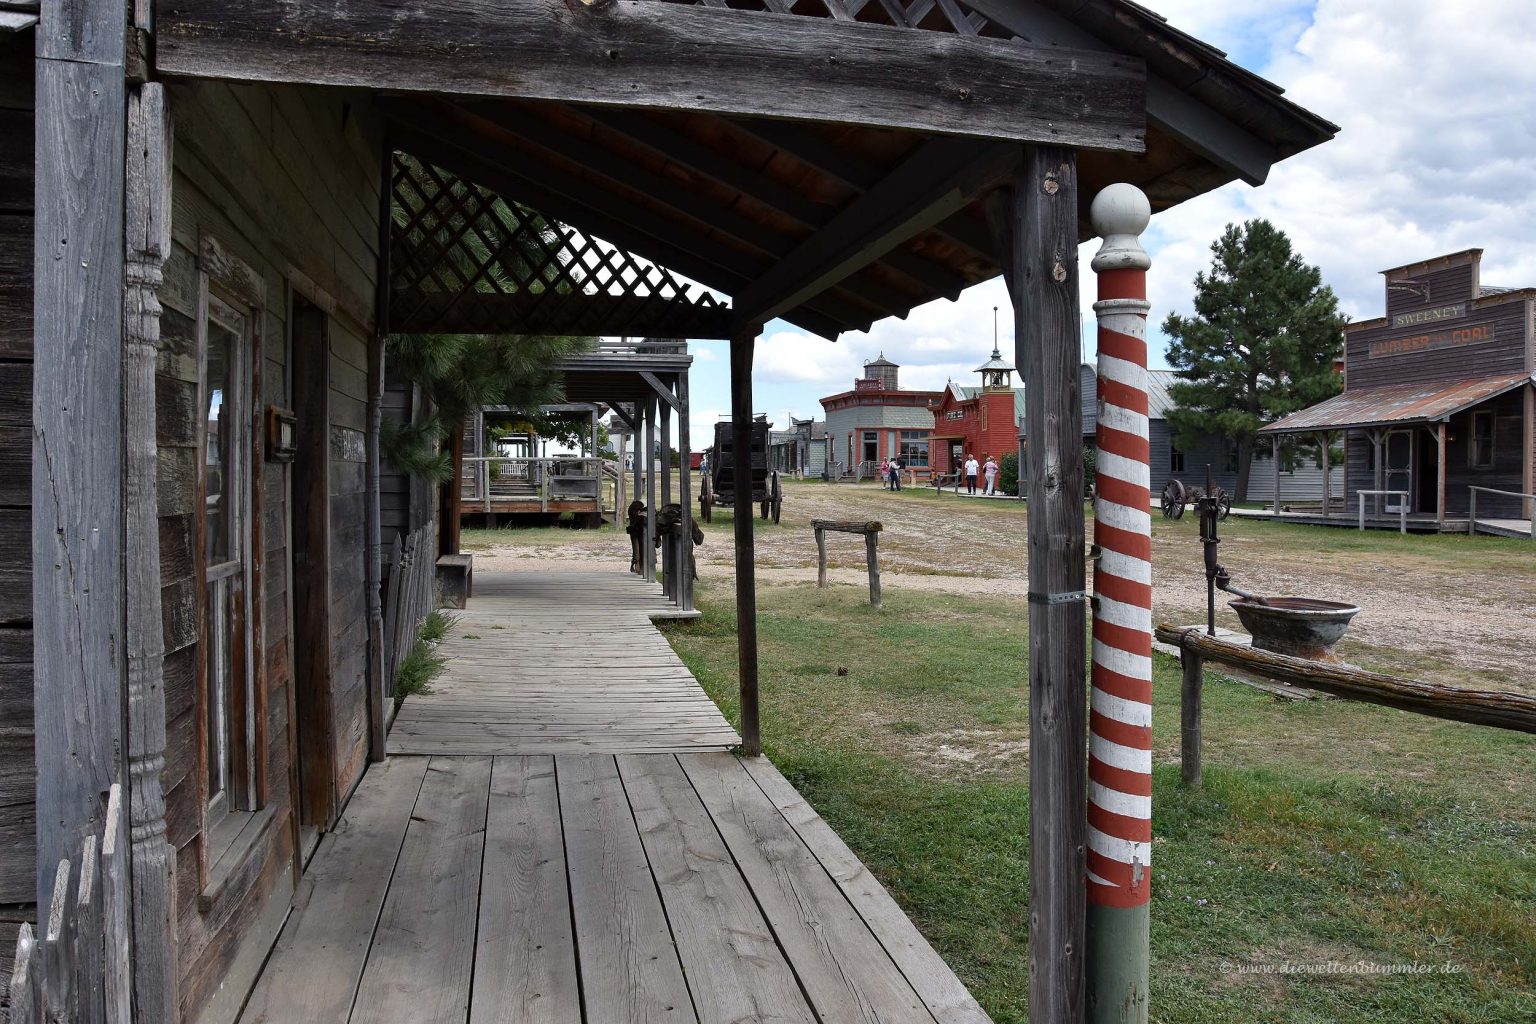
1119	950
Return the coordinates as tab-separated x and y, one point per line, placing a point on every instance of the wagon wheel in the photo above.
1174	500
776	500
1223	504
706	502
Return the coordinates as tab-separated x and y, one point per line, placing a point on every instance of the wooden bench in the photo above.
871	532
455	580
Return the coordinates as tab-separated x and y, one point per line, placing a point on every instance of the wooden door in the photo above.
1399	466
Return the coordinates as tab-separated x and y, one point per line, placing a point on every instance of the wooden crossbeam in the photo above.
937	180
633	53
661	390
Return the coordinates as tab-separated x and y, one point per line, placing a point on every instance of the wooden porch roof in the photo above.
824	161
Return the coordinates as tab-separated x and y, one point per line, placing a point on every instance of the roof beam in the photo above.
669	192
1176	112
670	57
855	172
701	160
935	180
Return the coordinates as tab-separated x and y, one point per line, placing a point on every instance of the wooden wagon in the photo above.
719	483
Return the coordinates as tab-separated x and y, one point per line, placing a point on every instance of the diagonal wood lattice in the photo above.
933	15
464	259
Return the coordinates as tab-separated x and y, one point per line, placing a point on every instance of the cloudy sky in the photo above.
1437	153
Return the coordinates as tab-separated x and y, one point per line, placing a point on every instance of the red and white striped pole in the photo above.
1120	718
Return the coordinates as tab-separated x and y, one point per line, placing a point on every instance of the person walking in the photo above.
989	471
972	467
896	473
885	473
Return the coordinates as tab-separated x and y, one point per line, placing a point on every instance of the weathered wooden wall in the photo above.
287	181
18	855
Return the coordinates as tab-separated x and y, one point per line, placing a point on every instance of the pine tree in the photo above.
1262	342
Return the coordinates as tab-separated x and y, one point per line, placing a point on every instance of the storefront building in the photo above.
1438	397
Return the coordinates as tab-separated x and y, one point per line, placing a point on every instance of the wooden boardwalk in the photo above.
542	663
520	875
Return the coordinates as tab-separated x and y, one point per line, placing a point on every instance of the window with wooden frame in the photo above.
229	549
1175	460
1481	454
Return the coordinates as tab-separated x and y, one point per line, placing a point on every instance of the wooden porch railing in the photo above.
78	970
1472	506
488	477
408	596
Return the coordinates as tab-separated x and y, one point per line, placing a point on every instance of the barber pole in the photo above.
1120	718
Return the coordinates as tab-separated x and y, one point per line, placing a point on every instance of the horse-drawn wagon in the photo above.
719	484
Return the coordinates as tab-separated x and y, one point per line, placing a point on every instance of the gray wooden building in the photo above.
1439	402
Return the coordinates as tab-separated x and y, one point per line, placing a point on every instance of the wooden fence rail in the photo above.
408	596
1497	708
78	970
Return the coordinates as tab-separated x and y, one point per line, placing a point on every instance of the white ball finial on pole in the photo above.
1119	214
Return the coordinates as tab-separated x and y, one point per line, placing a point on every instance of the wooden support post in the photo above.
1035	219
619	519
1440	475
685	491
147	220
78	577
652	509
1379	448
1325	452
746	579
1190	696
639	437
1274	448
872	557
821	557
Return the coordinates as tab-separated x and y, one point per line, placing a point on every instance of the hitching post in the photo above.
1120	719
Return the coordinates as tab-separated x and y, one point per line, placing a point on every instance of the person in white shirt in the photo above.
972	467
990	472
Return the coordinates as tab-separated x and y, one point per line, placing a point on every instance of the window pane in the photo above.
220	705
225	328
914	448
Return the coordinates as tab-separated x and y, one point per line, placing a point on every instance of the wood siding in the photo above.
18	817
286	180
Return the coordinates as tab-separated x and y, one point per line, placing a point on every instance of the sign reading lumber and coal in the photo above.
1430	316
1474	334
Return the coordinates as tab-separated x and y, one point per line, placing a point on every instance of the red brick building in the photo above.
877	420
981	421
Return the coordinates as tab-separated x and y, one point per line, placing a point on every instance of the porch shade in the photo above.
1399	404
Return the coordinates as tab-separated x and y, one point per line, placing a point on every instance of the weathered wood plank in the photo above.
77	400
422	960
1036	224
629	966
525	957
708	904
924	969
319	959
847	974
639	54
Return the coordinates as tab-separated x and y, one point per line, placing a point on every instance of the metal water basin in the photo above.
1301	627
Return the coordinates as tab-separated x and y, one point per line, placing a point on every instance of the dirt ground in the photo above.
1426	611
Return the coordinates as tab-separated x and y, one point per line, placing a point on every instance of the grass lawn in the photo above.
1326	830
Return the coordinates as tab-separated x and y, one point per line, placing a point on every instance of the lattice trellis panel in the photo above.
466	260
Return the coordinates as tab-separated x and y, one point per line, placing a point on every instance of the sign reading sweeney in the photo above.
1461	336
1430	316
